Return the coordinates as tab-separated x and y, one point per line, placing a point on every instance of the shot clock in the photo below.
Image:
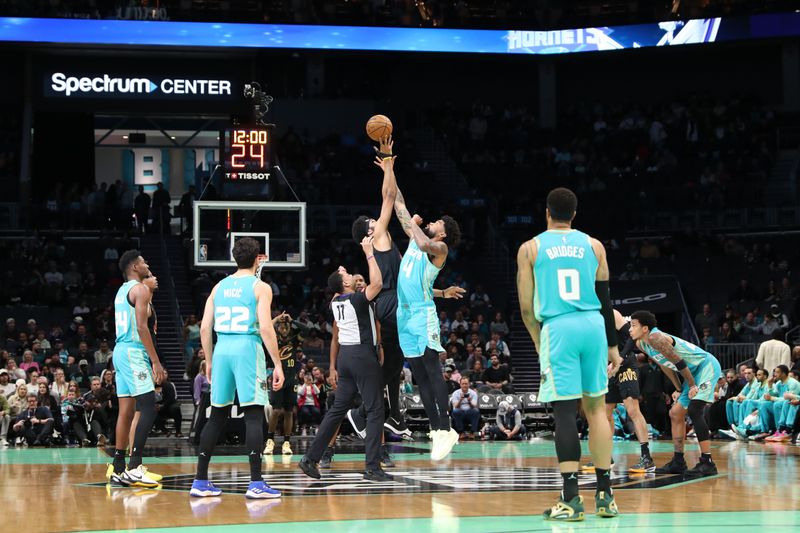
246	154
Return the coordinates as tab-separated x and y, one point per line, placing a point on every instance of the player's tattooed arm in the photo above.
388	189
663	344
411	227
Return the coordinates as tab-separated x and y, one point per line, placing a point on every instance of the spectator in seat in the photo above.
707	338
475	373
727	334
479	301
497	376
14	372
465	410
452	384
786	291
34	423
5	419
459	321
83	377
200	385
309	413
706	319
500	344
796	359
444	322
773	352
509	423
6	387
744	293
313	344
167	406
27	361
103	354
191	336
19	400
499	325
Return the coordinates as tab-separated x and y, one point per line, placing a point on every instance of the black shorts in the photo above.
624	385
286	398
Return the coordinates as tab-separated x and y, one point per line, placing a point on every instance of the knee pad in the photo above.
568	445
696	408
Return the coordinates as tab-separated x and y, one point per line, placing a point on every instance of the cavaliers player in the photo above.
284	400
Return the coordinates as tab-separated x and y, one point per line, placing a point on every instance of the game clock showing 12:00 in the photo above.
247	154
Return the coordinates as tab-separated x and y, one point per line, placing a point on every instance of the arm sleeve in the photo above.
603	294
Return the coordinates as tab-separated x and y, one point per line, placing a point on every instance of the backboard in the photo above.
279	227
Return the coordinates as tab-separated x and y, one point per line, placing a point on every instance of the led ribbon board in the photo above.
225	35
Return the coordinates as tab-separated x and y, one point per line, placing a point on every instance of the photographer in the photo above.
89	421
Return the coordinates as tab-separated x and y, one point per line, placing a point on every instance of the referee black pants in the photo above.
359	372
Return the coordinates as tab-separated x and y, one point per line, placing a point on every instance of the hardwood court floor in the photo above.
483	487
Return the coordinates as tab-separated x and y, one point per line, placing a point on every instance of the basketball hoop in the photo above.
262	261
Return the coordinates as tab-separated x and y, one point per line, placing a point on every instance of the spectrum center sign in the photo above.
60	84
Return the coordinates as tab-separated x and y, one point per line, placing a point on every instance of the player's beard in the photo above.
428	231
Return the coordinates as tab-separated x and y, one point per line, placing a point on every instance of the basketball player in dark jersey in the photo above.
284	400
624	388
388	258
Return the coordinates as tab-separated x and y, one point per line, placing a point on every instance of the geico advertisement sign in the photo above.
640	299
106	85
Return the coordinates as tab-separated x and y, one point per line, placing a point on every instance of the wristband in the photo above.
383	155
370	257
680	365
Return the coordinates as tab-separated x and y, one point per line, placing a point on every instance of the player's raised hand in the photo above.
417	219
277	378
385	146
366	245
381	162
151	282
454	292
283	317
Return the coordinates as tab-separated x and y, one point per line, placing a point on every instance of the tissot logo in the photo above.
119	85
247	175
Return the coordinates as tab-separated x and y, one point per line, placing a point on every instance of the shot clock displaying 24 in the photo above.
246	153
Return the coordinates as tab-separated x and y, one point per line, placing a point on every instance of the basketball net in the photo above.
262	262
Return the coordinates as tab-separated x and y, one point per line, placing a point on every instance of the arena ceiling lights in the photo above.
224	35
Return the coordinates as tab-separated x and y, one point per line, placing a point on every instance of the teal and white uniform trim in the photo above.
417	321
134	371
238	364
574	352
704	367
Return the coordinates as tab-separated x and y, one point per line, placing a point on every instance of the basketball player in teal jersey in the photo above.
238	310
417	320
700	371
137	366
562	281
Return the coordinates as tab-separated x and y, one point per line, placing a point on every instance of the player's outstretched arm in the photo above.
267	331
375	279
526	256
385	161
206	331
411	227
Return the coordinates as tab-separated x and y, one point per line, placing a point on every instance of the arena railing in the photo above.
730	355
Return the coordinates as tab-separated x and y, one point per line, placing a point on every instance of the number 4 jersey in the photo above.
125	316
564	272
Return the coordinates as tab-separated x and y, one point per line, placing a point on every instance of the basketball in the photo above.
378	127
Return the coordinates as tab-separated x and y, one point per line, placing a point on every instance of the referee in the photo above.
358	368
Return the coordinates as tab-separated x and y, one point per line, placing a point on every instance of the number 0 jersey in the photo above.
235	306
564	274
125	316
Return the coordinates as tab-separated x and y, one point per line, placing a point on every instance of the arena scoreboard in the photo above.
246	154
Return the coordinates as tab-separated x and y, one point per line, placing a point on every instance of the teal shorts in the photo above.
418	329
239	366
134	372
574	357
705	377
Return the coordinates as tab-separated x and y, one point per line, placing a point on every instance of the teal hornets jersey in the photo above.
125	316
564	274
779	388
417	274
758	391
694	356
235	306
